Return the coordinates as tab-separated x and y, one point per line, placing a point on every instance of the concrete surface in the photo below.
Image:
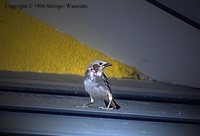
50	104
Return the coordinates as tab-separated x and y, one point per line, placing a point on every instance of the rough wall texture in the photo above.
27	44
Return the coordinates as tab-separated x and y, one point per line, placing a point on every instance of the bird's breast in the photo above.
94	89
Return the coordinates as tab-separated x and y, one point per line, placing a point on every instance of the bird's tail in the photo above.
114	104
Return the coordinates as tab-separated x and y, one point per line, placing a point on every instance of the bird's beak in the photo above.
108	64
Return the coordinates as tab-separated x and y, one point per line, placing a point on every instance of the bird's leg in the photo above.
91	102
110	101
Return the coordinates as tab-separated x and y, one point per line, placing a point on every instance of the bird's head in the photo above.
98	66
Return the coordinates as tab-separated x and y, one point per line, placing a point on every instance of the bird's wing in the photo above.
86	75
105	80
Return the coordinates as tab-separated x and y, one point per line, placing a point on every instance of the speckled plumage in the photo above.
97	86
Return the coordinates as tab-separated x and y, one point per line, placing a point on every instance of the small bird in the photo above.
97	86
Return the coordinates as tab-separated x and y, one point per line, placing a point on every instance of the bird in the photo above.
97	86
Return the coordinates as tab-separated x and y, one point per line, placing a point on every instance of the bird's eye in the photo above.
100	63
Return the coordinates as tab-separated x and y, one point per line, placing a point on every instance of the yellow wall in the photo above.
27	44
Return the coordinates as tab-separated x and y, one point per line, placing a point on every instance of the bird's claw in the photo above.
105	108
86	106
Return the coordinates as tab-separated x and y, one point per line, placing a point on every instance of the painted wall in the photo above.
132	31
189	9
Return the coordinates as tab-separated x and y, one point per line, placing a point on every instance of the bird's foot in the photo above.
105	108
86	106
83	106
